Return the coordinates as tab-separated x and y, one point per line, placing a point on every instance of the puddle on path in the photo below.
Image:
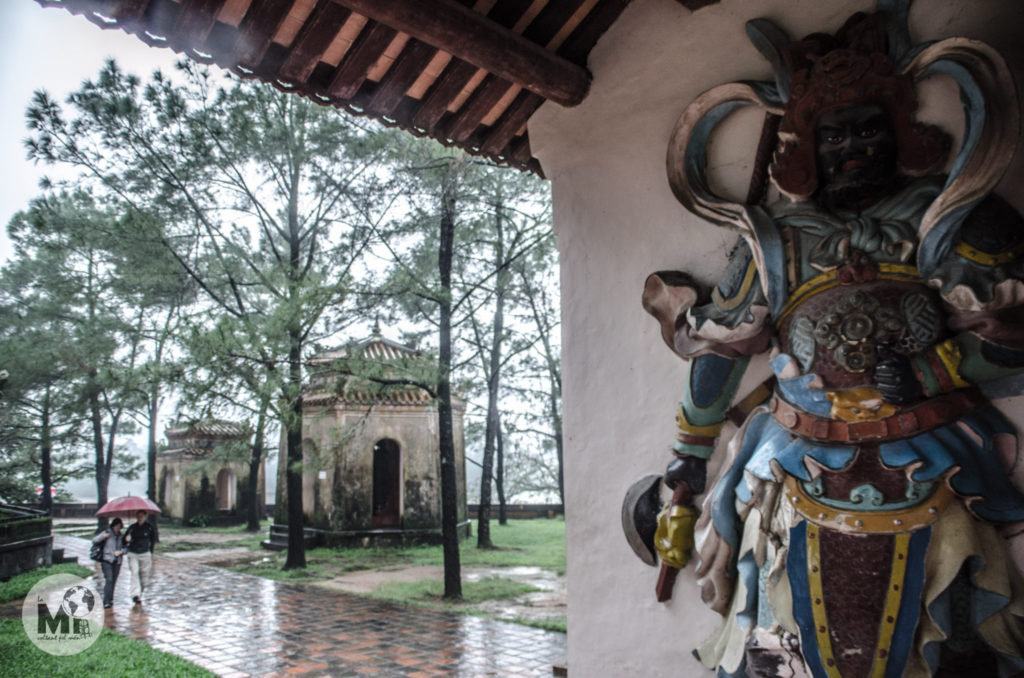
212	556
547	604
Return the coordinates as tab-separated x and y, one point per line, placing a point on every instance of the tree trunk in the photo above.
483	540
256	498
154	412
154	404
45	454
293	473
556	425
102	475
554	397
293	410
111	438
499	478
446	437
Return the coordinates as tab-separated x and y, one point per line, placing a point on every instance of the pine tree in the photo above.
64	282
263	198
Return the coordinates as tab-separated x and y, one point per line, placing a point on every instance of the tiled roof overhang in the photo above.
469	74
376	348
209	428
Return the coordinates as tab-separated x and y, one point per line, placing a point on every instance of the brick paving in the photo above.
239	625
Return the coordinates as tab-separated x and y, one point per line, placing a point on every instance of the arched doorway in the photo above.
225	490
168	487
387	484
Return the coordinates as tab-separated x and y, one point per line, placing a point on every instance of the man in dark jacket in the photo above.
140	538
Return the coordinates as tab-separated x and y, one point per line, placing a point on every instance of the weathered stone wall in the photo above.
184	491
25	544
338	453
171	482
617	221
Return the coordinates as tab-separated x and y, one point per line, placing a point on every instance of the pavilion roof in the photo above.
468	73
197	438
328	387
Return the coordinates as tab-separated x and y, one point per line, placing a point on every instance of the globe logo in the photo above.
61	614
78	602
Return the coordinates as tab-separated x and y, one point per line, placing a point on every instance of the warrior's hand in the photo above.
674	537
690	470
895	378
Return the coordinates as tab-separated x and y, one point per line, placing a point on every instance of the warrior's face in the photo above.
856	152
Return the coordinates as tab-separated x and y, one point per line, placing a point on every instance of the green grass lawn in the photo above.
521	543
181	534
185	545
112	655
537	543
430	591
18	586
178	529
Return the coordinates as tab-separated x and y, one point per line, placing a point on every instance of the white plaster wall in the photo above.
616	222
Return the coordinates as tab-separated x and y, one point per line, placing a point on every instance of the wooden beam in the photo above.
447	86
472	37
458	73
160	20
260	23
520	150
313	38
541	30
131	11
196	21
359	59
485	97
511	121
580	41
401	76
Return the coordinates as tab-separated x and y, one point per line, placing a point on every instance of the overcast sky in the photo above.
54	50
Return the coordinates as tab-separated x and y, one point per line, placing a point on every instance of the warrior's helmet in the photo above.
850	68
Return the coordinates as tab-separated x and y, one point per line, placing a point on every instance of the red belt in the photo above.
938	411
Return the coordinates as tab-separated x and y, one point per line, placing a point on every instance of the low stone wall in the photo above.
25	541
22	556
521	511
314	537
70	509
88	509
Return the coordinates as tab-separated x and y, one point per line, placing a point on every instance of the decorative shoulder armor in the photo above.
734	296
984	269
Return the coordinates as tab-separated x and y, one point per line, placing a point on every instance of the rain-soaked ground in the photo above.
546	604
236	624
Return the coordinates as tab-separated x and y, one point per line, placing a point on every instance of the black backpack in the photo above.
96	550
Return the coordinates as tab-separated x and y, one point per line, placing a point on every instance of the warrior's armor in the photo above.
853	530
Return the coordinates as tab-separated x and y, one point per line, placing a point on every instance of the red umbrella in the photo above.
127	507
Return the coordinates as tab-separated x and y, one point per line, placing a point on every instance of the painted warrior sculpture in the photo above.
855	528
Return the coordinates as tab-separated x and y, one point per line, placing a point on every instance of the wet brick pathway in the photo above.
238	625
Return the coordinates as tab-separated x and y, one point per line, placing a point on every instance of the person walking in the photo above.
140	538
110	561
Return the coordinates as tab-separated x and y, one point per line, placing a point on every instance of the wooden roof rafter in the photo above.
469	73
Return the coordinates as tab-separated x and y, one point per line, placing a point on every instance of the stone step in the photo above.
278	538
58	557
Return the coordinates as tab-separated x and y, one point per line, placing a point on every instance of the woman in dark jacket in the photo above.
113	549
